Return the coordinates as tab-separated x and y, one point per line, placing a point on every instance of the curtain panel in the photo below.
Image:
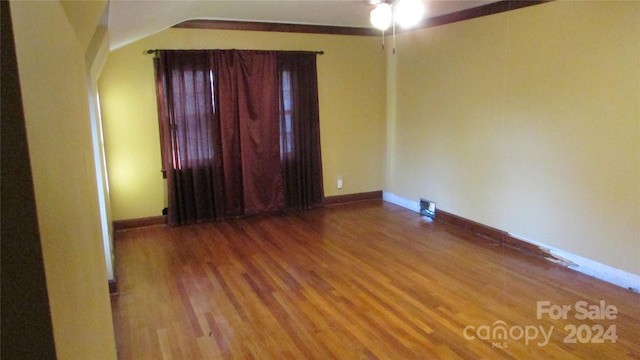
236	141
246	91
186	126
301	155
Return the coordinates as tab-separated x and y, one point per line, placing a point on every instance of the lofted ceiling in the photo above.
131	20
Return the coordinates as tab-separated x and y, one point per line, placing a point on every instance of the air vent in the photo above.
427	208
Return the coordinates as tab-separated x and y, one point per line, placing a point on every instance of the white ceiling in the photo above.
131	20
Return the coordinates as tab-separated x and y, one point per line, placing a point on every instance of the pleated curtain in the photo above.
239	132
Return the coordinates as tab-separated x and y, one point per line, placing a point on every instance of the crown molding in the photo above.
476	12
276	27
484	10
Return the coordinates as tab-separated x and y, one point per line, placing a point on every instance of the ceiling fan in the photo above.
406	13
390	13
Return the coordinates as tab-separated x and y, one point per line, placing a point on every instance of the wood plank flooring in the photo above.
366	280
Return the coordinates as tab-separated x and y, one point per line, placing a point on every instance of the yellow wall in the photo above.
351	81
528	121
55	96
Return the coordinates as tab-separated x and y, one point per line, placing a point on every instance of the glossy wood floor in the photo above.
366	280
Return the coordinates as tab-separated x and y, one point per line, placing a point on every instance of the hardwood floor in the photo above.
366	280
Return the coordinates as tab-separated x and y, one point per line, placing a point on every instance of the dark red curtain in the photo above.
186	127
300	129
246	92
239	132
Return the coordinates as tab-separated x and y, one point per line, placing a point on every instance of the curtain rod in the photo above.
318	52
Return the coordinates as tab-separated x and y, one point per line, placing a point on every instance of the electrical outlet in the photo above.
339	182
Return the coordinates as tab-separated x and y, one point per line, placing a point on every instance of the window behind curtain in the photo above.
286	112
178	113
221	113
193	131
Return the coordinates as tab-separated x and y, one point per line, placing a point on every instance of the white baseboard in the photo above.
592	268
578	263
400	201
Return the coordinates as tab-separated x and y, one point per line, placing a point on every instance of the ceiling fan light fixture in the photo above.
390	13
381	16
409	12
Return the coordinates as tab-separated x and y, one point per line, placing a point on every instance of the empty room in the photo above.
321	179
